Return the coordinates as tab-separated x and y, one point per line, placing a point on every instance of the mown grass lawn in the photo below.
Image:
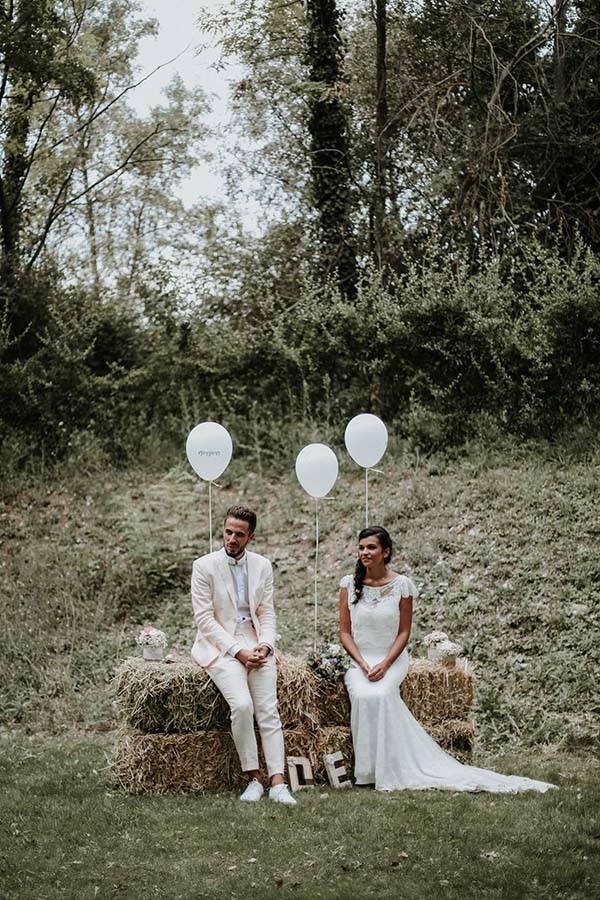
67	834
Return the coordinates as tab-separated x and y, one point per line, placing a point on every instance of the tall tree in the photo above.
565	150
381	187
126	223
329	143
40	67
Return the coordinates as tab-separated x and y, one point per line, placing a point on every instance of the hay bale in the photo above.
456	737
297	693
179	697
175	763
207	760
173	698
435	693
332	703
316	743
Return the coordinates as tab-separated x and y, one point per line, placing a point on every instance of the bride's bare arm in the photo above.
406	610
346	639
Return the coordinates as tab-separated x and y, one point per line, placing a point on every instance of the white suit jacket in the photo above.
215	604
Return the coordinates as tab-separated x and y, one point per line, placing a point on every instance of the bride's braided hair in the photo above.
385	540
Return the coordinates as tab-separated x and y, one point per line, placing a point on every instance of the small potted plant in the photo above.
441	649
152	641
432	641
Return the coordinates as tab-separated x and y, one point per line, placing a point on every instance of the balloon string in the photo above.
316	567
366	498
210	515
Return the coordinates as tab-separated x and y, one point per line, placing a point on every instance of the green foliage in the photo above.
439	350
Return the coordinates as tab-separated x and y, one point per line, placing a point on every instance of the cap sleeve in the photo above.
346	582
408	588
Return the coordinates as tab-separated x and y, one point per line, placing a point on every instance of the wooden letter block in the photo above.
336	770
300	772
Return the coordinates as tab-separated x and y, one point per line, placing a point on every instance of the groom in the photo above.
232	597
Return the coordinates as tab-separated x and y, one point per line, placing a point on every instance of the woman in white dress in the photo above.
391	749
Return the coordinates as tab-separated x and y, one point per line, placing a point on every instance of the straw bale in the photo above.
435	693
174	763
174	697
297	692
316	743
456	737
180	697
333	703
207	760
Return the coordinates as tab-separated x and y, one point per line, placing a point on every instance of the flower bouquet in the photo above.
152	641
440	647
329	662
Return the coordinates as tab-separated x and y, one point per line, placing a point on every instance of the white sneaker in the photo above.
253	792
280	793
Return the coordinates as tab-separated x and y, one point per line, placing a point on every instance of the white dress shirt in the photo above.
239	573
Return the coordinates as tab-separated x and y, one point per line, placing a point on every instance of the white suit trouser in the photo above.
251	693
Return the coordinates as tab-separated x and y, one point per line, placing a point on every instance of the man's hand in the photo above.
252	659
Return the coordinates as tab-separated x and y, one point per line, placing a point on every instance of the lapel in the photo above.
227	577
253	566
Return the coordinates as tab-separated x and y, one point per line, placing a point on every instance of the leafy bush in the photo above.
440	351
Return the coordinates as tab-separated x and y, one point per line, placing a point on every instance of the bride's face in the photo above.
371	553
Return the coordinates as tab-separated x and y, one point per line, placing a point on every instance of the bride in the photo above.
391	749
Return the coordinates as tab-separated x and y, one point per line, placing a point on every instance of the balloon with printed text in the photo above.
366	439
209	448
317	469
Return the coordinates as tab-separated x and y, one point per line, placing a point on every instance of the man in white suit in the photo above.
232	597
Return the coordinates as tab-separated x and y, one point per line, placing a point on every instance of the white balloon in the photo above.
317	469
209	448
366	439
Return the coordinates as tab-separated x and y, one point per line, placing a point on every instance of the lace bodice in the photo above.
376	617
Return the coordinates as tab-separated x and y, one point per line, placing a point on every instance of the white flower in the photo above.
434	638
151	637
448	648
329	662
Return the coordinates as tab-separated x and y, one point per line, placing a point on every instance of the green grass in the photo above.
66	833
503	543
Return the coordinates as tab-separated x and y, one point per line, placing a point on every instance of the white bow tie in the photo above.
236	562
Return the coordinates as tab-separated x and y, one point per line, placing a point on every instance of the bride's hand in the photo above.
377	671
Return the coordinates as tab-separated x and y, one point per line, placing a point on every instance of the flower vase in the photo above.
448	661
433	654
153	653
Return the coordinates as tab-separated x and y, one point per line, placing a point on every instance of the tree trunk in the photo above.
14	174
381	124
330	154
90	218
560	27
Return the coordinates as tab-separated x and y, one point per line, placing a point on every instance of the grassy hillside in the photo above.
503	544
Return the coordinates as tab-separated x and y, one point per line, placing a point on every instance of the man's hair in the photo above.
243	513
